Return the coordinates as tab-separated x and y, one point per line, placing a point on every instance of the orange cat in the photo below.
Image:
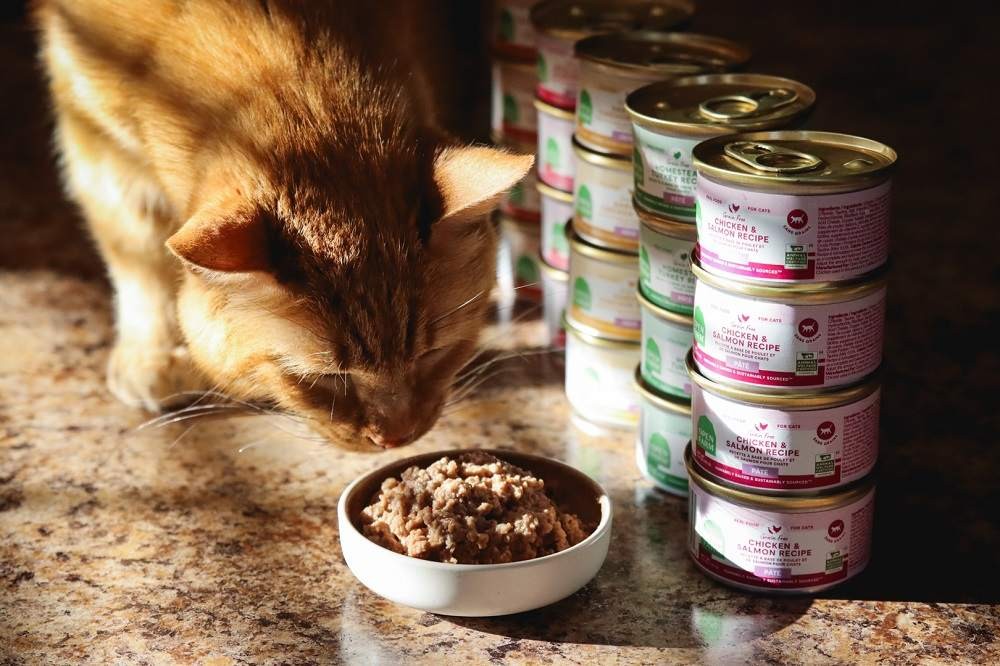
328	250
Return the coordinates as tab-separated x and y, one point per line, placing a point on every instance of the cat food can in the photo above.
557	211
613	65
513	34
664	431
784	444
780	338
781	545
670	117
603	213
556	162
522	201
602	291
599	384
522	243
665	249
513	118
554	290
559	24
793	206
666	342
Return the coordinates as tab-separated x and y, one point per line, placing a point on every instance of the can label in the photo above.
770	550
765	236
663	434
599	382
738	339
601	120
665	269
513	114
523	245
777	449
603	206
556	160
514	36
522	201
665	346
558	72
554	308
664	178
555	245
602	298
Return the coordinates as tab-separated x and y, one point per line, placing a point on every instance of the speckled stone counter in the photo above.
215	541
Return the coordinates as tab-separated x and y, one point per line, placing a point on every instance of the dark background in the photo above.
919	79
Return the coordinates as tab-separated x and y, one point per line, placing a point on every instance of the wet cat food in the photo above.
520	253
470	509
513	34
670	117
602	286
792	545
793	206
556	162
513	117
790	443
664	431
665	249
613	65
554	303
783	338
559	24
666	341
603	213
599	378
557	210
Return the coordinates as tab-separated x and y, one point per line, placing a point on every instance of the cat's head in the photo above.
350	295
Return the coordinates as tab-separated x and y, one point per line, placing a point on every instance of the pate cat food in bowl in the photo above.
474	533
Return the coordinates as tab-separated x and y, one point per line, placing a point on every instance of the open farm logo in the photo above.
734	208
744	318
808	328
826	430
835	529
761	427
774	529
797	219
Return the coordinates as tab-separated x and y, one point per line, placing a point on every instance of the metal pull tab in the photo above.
741	105
773	159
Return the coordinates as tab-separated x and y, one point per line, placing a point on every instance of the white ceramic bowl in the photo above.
476	590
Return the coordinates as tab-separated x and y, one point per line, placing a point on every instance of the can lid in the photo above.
798	401
675	318
596	340
601	159
666	53
820	500
550	110
670	403
795	161
713	104
576	19
581	246
666	226
549	191
550	271
792	292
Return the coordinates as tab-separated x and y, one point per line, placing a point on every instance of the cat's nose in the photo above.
390	438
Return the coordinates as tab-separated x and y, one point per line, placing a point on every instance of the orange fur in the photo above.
326	232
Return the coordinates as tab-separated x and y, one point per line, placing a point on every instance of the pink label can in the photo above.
785	444
779	338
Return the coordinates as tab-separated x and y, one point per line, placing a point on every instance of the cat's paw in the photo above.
151	378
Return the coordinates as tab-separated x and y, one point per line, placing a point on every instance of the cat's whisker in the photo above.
468	389
456	309
165	418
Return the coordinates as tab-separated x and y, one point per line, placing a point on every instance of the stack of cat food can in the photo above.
514	126
562	163
668	119
789	310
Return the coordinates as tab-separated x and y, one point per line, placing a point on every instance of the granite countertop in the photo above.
216	542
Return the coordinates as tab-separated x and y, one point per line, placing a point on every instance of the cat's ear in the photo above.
228	236
471	179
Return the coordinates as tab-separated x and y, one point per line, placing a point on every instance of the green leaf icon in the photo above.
654	361
706	435
552	158
699	327
510	113
581	294
585	109
644	271
584	204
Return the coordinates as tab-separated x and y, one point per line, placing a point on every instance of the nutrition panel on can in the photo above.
599	382
601	120
760	447
779	551
558	71
603	297
766	236
663	435
665	269
603	202
556	161
762	343
664	178
665	346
